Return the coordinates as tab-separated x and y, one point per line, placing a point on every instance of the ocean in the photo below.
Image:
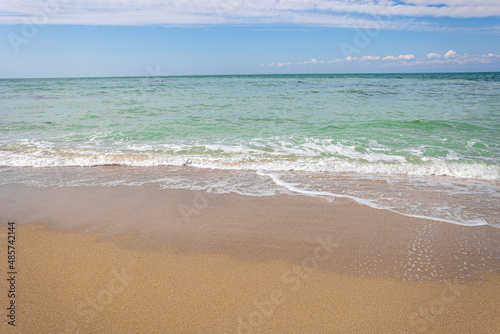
423	145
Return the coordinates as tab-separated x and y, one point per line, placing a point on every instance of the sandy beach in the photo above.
208	167
149	260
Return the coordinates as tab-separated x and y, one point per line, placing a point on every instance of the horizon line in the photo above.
244	74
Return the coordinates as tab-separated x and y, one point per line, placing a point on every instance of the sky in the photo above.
92	38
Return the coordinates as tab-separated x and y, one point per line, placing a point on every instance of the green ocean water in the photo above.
446	124
430	141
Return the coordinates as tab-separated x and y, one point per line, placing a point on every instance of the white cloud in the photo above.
400	57
339	13
370	58
450	54
406	57
350	58
336	61
454	59
451	57
312	61
433	55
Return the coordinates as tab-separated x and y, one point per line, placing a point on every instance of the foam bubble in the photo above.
293	187
249	161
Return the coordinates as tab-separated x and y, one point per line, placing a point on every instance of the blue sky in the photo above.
67	38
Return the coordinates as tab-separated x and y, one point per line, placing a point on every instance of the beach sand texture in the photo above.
294	203
150	260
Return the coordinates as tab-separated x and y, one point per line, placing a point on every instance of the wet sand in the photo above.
149	260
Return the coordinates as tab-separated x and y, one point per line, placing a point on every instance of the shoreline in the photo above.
109	259
443	199
199	221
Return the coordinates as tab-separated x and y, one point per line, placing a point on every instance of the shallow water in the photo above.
429	142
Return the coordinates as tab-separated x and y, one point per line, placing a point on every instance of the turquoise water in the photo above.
387	125
446	124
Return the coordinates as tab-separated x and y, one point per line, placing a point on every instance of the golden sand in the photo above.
287	264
